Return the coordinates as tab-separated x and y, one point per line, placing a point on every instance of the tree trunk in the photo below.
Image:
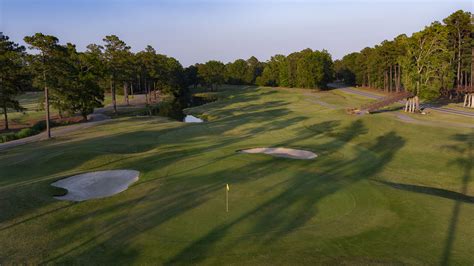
395	84
472	66
417	103
146	92
139	83
5	115
125	93
399	80
46	103
465	79
417	87
459	57
390	79
114	99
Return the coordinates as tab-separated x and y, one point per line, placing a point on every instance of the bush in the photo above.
8	137
26	132
35	129
41	125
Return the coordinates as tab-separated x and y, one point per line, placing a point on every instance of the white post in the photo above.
226	200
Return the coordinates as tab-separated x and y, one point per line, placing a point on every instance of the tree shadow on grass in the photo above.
168	205
465	148
298	200
438	192
73	153
117	228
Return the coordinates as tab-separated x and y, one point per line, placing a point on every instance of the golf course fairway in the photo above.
380	191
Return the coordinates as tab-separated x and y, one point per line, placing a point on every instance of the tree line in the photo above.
304	69
74	82
429	63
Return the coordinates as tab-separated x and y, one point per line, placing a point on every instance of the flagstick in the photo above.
226	200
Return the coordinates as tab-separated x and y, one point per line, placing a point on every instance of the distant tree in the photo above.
271	72
314	69
172	81
191	76
13	77
459	29
147	63
347	68
253	69
212	73
116	55
45	67
237	72
84	92
427	56
96	60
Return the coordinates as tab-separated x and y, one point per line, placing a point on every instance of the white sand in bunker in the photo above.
284	152
96	185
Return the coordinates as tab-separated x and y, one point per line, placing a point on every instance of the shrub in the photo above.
8	137
26	132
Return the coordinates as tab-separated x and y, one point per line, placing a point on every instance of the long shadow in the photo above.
36	216
169	205
443	193
71	154
185	192
465	148
77	152
304	193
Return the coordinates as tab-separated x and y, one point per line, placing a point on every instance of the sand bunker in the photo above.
284	152
96	185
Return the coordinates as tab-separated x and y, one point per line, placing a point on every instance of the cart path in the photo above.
97	118
438	109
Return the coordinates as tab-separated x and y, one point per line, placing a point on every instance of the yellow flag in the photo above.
227	185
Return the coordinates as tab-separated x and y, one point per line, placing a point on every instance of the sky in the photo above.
195	31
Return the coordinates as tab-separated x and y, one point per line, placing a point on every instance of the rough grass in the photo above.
380	192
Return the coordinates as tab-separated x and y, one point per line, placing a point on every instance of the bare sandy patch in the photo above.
95	185
283	152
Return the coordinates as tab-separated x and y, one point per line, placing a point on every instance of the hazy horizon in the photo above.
198	31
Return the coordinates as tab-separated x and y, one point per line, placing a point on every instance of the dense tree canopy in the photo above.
13	77
305	69
428	63
74	82
49	70
212	73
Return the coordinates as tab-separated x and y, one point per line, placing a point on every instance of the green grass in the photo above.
108	98
31	102
381	191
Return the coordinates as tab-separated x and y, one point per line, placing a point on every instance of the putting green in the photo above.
381	191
